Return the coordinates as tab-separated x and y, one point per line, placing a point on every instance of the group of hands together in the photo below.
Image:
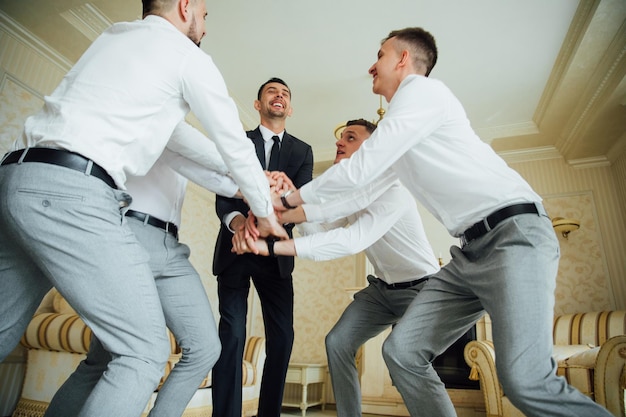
251	236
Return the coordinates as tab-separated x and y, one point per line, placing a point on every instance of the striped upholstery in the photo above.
60	332
593	328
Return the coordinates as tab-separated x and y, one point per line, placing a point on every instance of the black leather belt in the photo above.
153	221
405	285
481	228
62	158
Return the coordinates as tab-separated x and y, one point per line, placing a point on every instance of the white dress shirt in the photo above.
389	229
161	192
350	203
428	141
122	100
190	143
268	142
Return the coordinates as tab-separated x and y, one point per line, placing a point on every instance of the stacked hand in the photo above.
279	182
248	237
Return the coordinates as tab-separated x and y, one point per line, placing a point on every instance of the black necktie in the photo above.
273	165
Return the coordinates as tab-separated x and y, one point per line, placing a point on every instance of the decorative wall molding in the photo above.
593	162
504	131
19	33
606	78
533	154
29	60
573	39
88	20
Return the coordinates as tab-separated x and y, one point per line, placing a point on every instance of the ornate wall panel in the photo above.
554	177
582	283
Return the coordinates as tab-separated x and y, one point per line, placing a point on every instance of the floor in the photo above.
315	411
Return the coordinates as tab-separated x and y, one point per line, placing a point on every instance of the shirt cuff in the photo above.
229	218
313	212
307	193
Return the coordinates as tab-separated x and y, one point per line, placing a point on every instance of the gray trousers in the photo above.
374	309
62	228
187	314
511	274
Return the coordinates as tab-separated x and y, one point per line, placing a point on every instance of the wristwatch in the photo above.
270	246
283	199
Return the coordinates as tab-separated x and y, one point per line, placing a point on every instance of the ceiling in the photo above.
538	79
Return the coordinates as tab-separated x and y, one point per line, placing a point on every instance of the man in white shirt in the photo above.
390	231
508	259
62	190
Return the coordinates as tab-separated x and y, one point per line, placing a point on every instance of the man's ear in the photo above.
257	105
290	111
183	9
405	58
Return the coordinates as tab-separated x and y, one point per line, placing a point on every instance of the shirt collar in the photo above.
267	134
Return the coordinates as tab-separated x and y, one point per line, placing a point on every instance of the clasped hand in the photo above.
248	238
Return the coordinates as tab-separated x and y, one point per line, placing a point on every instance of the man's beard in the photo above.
191	33
278	114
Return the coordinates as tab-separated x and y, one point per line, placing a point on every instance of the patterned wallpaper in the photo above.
581	280
16	104
597	248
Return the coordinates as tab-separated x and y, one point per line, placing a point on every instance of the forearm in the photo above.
285	248
296	216
287	201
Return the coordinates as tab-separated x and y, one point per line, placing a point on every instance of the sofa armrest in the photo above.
481	358
610	375
58	332
254	354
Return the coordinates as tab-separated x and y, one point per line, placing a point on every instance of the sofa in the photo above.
590	351
57	340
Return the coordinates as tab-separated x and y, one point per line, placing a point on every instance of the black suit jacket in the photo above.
296	160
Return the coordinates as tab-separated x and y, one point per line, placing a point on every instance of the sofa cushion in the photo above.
576	363
586	358
562	352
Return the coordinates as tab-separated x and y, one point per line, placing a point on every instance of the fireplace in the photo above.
451	366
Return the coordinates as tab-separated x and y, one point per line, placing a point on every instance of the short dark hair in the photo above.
421	43
271	80
155	6
369	126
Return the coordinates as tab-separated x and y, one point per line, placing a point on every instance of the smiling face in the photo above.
275	101
386	71
351	140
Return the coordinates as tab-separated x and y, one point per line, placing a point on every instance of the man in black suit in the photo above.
271	275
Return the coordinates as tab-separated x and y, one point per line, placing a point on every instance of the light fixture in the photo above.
565	226
381	113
